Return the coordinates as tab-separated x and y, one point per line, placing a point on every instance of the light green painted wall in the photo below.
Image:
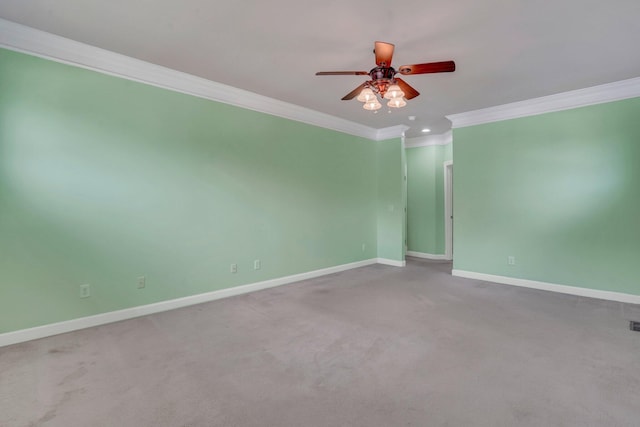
559	191
390	200
103	180
425	198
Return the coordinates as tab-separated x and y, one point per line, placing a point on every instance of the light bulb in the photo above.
396	102
372	105
394	91
366	95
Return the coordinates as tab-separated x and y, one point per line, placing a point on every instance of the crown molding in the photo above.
609	92
28	40
430	140
391	132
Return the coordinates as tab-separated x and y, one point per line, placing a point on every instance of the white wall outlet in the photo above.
142	282
85	290
257	264
233	268
511	260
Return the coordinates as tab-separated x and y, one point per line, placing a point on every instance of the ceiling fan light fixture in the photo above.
383	83
372	105
366	95
393	91
396	102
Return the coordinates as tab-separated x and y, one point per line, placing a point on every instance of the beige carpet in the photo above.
376	346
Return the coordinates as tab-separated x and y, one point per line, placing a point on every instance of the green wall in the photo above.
559	191
391	201
425	198
103	180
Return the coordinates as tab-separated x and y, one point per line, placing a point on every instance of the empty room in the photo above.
419	213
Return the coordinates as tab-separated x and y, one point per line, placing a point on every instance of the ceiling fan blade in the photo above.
431	67
409	92
342	73
384	54
354	92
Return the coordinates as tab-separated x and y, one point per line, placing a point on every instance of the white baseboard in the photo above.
37	332
427	256
544	286
392	262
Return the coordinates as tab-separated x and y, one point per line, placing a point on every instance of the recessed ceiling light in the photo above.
425	130
412	118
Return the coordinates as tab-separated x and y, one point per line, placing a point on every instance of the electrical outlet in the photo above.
85	291
257	264
364	247
511	260
142	282
234	268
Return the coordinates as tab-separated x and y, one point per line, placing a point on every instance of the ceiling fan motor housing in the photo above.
381	79
382	73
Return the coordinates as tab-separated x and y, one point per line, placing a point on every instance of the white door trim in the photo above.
448	207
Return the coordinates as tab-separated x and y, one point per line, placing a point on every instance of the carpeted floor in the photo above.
376	346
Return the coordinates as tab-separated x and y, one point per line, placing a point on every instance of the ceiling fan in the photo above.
383	81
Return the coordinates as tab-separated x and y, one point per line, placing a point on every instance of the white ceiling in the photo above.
505	50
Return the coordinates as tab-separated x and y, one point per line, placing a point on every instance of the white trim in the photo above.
544	286
609	92
448	207
405	196
391	262
426	255
28	40
23	335
431	140
391	132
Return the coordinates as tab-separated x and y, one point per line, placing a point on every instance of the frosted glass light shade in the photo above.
366	95
394	91
396	102
372	105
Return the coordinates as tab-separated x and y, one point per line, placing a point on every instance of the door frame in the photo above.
448	209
